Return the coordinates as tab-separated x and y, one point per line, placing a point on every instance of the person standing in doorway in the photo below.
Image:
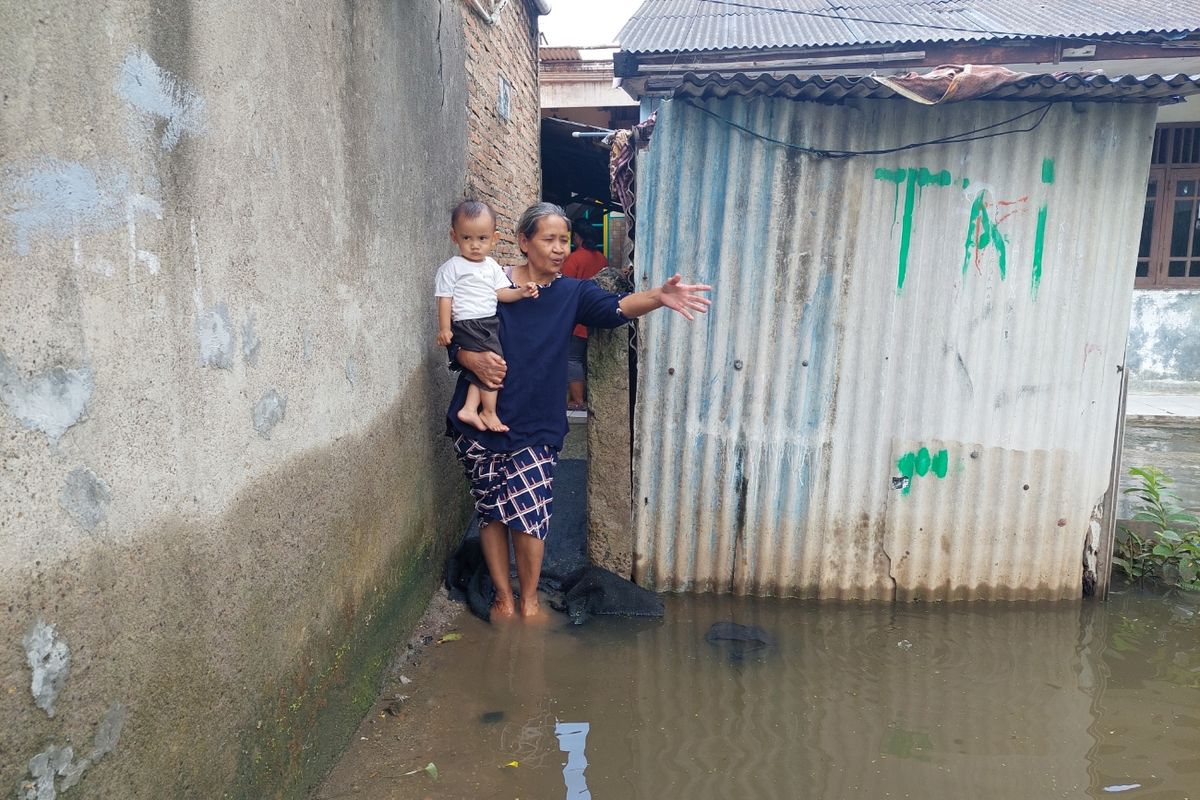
582	264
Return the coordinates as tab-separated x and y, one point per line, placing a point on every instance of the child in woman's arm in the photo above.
467	288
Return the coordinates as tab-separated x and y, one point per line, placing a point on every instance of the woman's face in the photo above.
547	248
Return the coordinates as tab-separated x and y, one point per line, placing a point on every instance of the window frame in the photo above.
1168	174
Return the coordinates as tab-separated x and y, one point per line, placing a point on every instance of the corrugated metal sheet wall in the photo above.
950	320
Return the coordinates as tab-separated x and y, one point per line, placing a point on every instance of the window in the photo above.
1169	250
504	100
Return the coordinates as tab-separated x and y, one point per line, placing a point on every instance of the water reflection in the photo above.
847	701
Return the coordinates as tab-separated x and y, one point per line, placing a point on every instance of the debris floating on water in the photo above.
738	640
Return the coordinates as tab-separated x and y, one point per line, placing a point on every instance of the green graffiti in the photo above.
1039	242
895	176
921	463
983	226
981	232
915	180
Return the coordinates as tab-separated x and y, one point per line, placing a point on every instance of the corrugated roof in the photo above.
665	26
558	54
1073	86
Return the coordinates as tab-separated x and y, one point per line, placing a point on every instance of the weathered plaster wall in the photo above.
610	476
223	490
1164	349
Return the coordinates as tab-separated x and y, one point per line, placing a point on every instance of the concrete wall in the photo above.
503	158
1164	351
223	489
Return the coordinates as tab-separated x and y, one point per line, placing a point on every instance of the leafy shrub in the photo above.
1170	553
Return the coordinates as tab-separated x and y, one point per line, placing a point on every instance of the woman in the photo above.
512	472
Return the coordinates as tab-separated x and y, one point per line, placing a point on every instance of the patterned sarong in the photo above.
514	488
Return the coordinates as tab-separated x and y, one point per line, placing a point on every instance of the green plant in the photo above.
1132	554
1171	550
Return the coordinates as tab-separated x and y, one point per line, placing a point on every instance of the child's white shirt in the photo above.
472	285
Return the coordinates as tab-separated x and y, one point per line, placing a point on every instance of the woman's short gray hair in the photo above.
528	223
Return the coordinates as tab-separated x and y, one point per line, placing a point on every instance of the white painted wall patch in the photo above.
50	401
158	95
250	341
85	497
49	660
59	197
268	412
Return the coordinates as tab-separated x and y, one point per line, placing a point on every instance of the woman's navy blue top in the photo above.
535	334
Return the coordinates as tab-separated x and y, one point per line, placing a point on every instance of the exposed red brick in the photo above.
503	160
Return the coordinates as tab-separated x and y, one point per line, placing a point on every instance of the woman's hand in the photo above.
684	297
489	367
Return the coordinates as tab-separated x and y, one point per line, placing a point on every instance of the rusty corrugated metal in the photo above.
558	54
879	316
664	26
1062	86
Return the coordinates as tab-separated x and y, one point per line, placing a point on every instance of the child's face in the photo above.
475	237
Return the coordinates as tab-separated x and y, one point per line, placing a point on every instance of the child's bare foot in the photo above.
491	421
471	417
503	609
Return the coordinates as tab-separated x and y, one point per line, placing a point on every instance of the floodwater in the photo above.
1172	446
948	701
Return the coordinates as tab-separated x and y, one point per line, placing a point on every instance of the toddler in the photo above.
467	288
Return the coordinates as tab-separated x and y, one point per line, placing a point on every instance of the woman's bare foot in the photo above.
491	421
503	608
470	416
531	611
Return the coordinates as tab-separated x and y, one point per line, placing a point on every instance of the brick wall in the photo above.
503	160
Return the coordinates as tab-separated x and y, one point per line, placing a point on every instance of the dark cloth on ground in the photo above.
586	592
738	640
594	591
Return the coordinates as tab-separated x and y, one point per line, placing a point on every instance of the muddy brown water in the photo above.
950	701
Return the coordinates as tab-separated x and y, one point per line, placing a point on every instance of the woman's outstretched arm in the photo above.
674	294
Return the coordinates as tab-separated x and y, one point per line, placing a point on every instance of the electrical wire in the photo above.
954	138
930	26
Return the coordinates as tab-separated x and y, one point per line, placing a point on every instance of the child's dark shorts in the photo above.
479	335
